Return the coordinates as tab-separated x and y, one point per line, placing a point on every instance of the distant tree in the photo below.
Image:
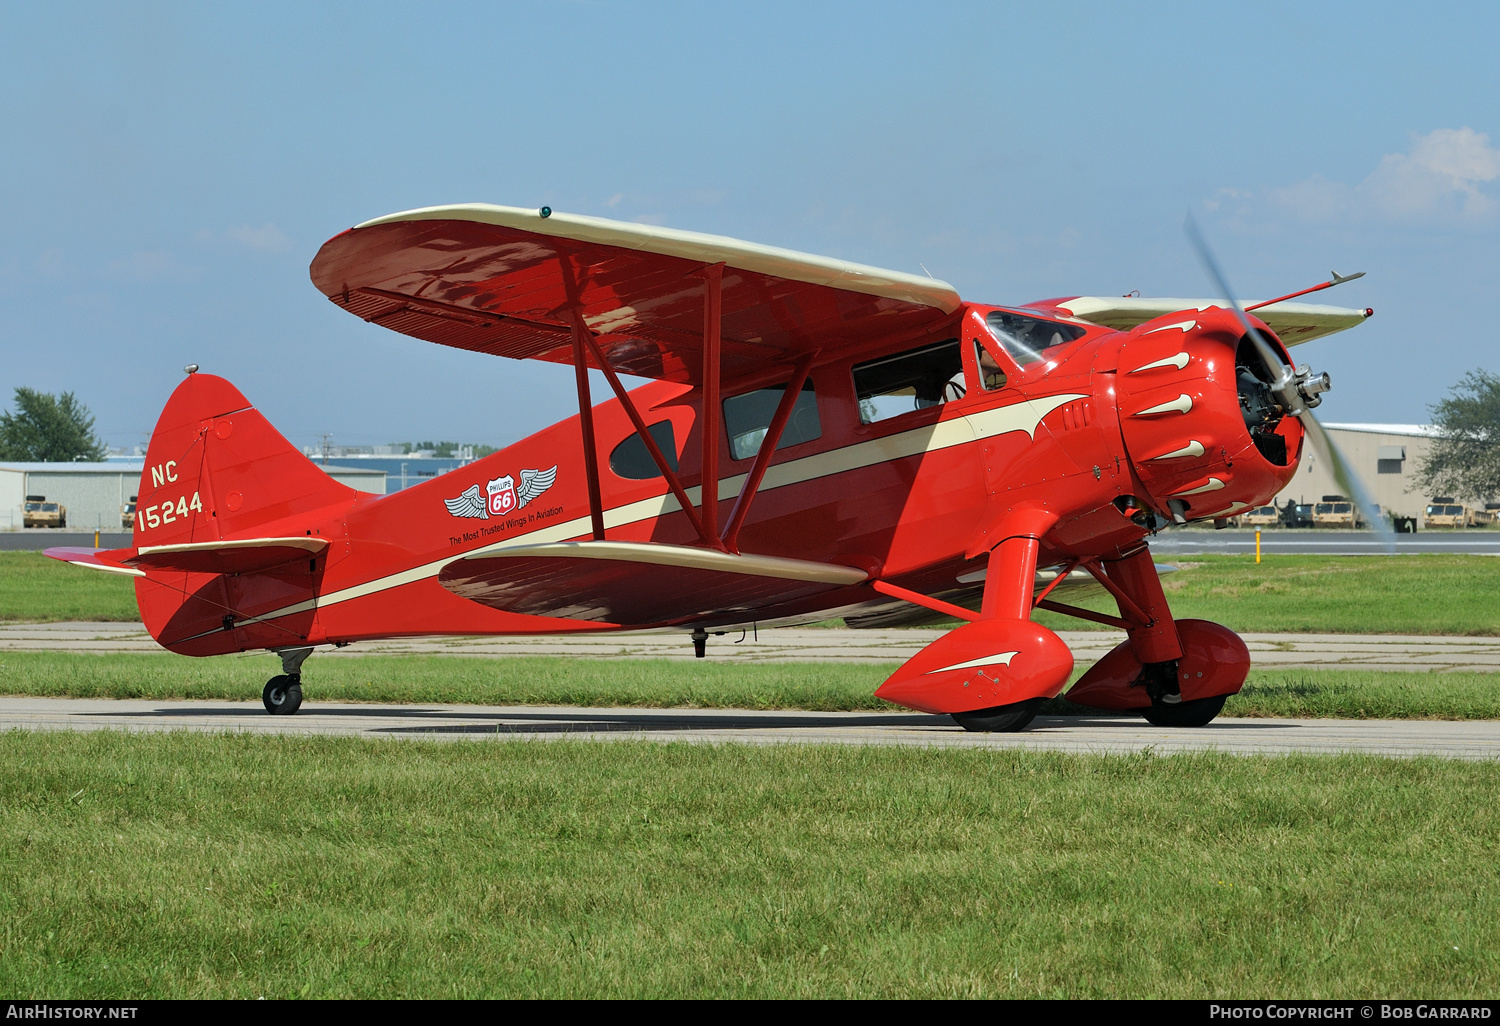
444	450
1464	460
49	428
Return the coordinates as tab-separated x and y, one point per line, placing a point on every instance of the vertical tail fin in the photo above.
216	469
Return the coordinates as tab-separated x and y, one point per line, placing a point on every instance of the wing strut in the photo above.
585	401
713	280
767	451
586	426
705	518
634	414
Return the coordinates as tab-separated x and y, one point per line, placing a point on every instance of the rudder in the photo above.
216	468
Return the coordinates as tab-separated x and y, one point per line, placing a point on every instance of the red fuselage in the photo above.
1111	432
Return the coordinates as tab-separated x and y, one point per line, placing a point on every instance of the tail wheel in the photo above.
283	695
1197	713
1002	719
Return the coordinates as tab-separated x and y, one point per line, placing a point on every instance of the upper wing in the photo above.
1292	322
502	280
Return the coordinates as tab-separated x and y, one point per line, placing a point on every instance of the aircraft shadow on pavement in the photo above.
577	721
573	723
566	720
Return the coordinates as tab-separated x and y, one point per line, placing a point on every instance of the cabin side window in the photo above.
748	417
632	460
913	380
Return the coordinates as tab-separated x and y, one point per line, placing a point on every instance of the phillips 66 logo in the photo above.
502	492
501	496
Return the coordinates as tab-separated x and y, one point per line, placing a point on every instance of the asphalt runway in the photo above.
1311	541
1470	740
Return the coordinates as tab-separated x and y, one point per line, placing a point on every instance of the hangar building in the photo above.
1385	456
96	493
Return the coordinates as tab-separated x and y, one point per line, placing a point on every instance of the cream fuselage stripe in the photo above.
1021	416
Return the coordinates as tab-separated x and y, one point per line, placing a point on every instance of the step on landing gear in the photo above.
700	641
283	693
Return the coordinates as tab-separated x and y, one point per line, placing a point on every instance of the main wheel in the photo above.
283	695
1002	719
1197	713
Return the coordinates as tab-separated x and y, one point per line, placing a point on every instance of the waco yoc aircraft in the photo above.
819	439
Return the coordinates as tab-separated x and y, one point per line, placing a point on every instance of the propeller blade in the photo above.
1348	481
1282	386
1285	389
1206	257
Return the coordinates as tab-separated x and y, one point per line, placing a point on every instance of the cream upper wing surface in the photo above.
507	281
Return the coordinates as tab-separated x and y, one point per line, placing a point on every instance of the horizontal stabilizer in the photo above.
95	559
241	556
636	584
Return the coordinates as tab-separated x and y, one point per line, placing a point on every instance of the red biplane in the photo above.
819	439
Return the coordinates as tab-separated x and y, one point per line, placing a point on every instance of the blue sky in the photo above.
168	171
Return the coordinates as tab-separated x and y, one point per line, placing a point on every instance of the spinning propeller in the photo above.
1294	391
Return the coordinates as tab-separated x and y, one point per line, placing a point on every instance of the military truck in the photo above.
1296	514
1446	511
127	513
1261	516
1333	511
41	513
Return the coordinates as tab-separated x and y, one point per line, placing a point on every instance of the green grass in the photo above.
539	680
1421	594
35	589
190	865
1355	694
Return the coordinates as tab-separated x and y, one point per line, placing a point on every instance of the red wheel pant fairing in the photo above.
1215	661
982	665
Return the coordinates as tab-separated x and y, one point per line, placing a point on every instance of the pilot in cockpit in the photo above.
991	375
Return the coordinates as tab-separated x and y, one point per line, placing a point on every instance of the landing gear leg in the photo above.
1007	596
700	642
283	693
1158	645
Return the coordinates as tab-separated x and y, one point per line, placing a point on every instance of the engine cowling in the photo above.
1205	437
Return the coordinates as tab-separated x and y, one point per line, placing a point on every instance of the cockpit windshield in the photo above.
1025	338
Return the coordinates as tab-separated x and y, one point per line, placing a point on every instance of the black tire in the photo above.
283	695
1002	719
1197	713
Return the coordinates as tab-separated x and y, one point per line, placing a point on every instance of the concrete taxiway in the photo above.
811	645
1470	740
